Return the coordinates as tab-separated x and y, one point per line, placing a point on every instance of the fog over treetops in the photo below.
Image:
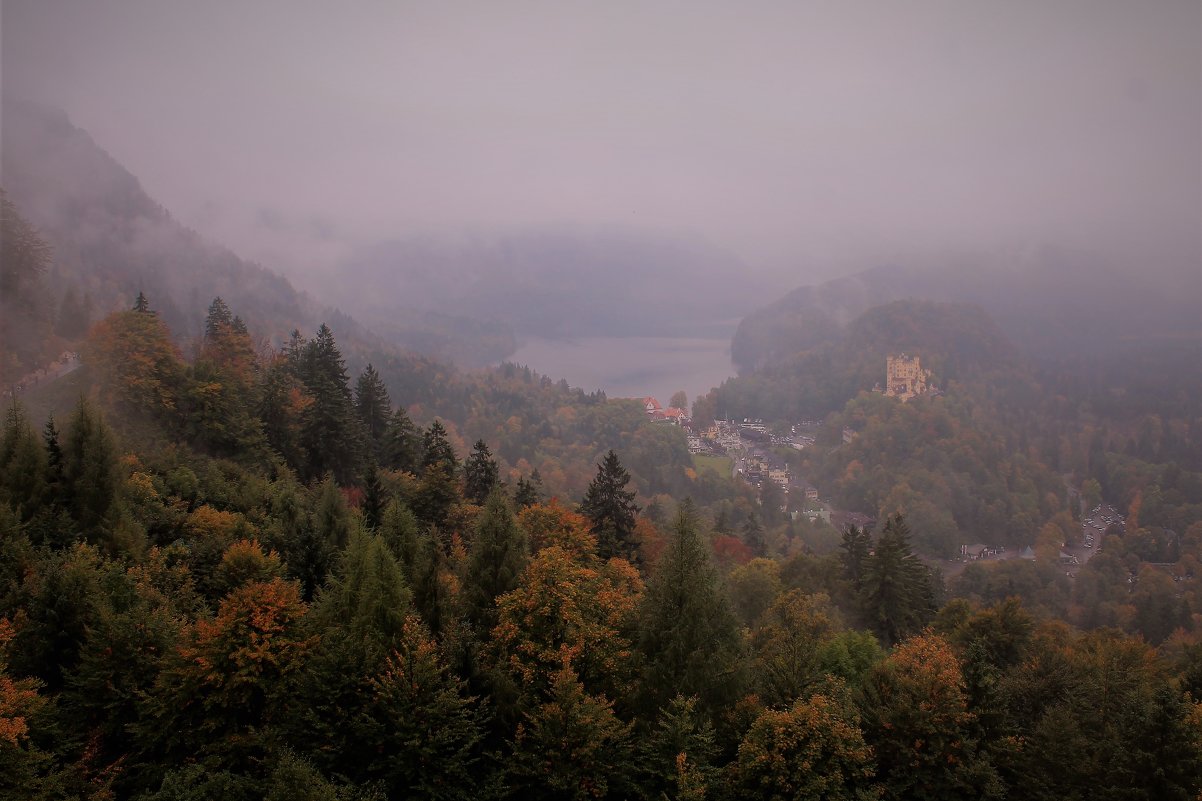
759	147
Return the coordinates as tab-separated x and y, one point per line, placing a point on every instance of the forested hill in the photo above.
111	239
1054	303
957	342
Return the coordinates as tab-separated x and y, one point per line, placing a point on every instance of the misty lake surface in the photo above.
631	367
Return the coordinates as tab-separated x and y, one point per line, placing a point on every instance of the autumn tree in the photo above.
20	759
568	605
787	647
611	510
227	684
916	718
139	367
813	749
215	401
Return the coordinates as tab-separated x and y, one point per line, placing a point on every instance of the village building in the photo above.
973	552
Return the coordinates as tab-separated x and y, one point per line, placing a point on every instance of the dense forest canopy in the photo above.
255	547
245	572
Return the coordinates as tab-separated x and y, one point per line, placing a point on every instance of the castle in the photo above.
905	378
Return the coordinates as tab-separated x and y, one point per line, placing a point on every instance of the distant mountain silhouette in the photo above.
556	281
1052	303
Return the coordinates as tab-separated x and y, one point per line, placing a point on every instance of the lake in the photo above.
631	367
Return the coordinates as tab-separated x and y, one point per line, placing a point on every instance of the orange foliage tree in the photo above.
138	364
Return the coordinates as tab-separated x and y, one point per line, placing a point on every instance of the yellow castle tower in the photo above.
904	377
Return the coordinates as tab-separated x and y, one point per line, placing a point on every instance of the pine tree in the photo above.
282	400
90	473
689	636
422	729
499	552
367	597
588	741
679	753
141	304
897	594
218	320
54	455
480	474
436	495
753	535
526	494
373	406
398	529
610	508
23	464
430	595
855	546
330	435
437	450
401	448
373	497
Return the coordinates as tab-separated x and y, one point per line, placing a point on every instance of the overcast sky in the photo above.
800	135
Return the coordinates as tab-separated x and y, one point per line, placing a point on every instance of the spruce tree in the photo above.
526	494
480	474
90	478
422	730
373	497
401	448
437	450
610	508
141	304
897	594
688	636
330	435
218	320
373	407
855	545
398	529
753	535
436	495
23	464
54	458
498	554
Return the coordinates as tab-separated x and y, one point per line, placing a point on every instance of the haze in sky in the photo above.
802	136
